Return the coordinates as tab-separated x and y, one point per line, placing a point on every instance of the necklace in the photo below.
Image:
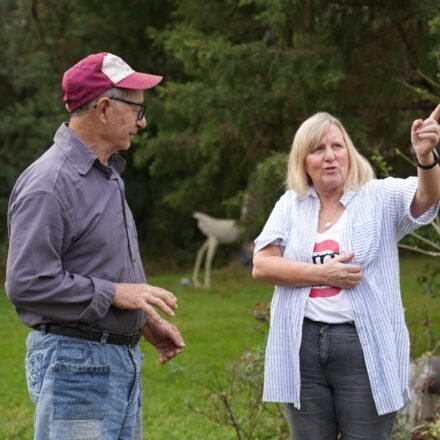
329	220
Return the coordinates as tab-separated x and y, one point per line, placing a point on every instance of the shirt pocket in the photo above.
365	241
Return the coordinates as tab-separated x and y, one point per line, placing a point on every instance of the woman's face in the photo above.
327	164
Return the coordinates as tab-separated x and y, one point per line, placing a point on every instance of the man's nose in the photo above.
142	123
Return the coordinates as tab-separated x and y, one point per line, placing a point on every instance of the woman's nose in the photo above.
329	153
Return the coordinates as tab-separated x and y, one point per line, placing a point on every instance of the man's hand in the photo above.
144	297
165	337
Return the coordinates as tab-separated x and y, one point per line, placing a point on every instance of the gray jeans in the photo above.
336	396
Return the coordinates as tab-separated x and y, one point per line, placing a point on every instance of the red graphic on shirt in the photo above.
322	253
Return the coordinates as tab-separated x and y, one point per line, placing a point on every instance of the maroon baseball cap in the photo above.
98	73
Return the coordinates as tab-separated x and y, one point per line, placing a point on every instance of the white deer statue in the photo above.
218	231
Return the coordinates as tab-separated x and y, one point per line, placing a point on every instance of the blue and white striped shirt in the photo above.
378	217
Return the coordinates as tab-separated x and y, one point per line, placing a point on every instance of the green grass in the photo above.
217	325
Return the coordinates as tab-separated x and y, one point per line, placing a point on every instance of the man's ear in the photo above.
101	109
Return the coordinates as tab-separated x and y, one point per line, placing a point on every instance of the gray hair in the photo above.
114	92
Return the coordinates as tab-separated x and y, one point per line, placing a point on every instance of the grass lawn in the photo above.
218	326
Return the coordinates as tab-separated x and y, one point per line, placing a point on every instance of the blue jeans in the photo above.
336	395
84	390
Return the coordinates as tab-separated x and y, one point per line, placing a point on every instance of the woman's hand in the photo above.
425	135
338	273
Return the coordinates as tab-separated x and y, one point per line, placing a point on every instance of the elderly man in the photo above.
74	271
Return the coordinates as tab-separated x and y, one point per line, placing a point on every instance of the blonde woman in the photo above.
338	349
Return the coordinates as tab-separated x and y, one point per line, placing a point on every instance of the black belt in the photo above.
326	323
90	335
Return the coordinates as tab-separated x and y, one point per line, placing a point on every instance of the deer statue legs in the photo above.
209	247
217	231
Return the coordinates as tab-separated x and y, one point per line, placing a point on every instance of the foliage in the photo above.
240	76
430	284
430	281
40	40
427	86
428	430
252	70
401	430
266	184
235	398
217	326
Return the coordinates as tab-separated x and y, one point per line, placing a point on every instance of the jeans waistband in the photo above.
90	335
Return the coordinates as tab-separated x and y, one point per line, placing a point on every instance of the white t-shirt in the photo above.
326	303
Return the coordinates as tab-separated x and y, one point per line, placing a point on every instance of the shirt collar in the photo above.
82	157
345	199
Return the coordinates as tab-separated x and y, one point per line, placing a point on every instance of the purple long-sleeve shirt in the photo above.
71	236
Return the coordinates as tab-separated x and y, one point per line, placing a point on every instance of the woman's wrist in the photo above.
427	161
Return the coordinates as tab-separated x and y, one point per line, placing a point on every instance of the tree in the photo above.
40	40
240	76
253	70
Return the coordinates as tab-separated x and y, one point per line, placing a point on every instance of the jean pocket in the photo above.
80	391
33	365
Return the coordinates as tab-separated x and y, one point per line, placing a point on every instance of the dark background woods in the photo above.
240	76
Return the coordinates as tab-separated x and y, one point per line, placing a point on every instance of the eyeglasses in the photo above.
141	111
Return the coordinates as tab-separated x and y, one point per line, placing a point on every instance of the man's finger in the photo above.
165	357
160	304
177	339
163	294
152	314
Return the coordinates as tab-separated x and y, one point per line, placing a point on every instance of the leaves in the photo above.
240	76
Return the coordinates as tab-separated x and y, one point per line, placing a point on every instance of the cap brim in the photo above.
139	81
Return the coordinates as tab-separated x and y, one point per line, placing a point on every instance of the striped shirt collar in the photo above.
345	199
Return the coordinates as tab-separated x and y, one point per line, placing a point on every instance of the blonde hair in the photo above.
307	138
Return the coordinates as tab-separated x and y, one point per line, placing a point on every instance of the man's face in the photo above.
123	120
